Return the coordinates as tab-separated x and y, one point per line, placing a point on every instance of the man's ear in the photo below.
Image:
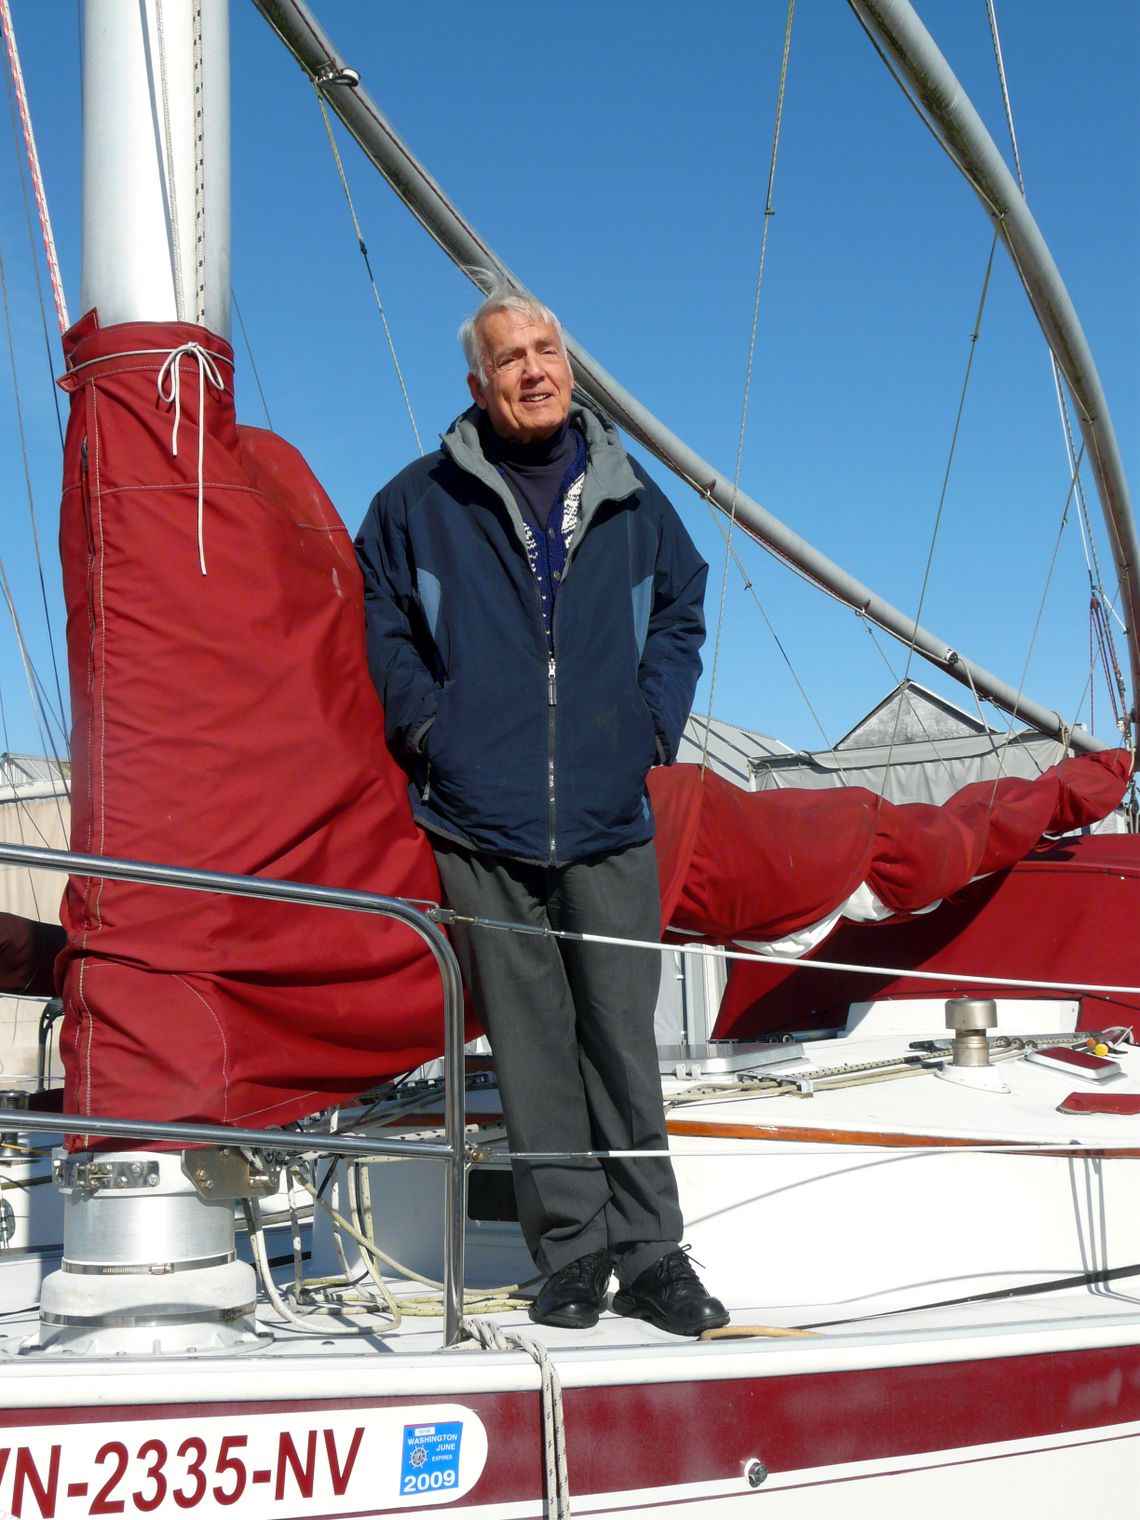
475	386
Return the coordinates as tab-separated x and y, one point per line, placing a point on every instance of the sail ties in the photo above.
170	391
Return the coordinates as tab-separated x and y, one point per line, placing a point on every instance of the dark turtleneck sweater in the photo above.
535	471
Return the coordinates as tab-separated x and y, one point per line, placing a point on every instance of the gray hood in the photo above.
609	474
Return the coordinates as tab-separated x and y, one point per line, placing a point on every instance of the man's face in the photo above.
527	391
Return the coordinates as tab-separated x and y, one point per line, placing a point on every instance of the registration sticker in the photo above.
431	1458
244	1466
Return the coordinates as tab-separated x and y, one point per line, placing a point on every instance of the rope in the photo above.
487	1300
169	386
367	262
492	1338
769	212
168	148
34	164
52	364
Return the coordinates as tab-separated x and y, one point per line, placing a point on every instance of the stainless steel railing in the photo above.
418	918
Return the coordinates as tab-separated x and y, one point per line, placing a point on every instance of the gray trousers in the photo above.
571	1026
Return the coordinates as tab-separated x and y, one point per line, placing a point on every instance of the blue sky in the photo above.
616	155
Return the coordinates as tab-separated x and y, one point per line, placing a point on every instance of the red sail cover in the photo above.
1066	914
739	865
223	721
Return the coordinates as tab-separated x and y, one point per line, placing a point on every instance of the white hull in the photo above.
900	1404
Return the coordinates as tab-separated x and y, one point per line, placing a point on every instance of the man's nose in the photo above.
532	366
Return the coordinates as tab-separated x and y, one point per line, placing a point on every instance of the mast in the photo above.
315	52
156	244
156	162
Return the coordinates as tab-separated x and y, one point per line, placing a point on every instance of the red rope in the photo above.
34	165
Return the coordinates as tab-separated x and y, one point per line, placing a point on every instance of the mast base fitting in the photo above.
149	1266
969	1066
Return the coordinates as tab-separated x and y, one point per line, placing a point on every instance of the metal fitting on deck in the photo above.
969	1018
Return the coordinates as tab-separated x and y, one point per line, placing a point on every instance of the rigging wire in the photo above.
168	152
930	738
1110	662
20	118
769	212
34	259
318	85
749	586
959	163
995	211
35	688
942	496
992	14
771	957
20	810
252	360
1066	728
34	684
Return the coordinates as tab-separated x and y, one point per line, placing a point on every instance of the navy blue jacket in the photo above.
512	752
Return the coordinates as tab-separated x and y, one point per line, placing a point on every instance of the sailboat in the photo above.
920	1220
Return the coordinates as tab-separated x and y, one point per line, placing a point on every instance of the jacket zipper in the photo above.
551	706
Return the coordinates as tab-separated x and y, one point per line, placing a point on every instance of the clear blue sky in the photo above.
616	155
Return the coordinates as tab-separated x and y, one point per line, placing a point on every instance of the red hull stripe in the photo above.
664	1434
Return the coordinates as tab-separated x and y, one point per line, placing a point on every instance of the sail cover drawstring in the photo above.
170	391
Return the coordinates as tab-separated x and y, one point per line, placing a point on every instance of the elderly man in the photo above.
534	623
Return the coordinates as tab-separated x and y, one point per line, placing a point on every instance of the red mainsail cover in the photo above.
1065	914
223	721
739	865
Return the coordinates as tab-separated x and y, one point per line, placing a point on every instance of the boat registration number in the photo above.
249	1467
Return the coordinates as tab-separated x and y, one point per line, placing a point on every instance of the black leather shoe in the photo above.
670	1295
575	1295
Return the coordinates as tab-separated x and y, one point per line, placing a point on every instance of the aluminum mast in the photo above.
156	159
299	30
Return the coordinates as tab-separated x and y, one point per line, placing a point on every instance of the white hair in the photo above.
501	298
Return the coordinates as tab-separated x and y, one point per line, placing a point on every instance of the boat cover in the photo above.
741	866
223	721
1065	914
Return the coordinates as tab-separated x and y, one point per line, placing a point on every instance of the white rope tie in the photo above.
493	1338
170	391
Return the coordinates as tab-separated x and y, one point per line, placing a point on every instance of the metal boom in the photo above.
319	58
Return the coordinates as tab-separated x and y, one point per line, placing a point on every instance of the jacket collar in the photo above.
609	474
